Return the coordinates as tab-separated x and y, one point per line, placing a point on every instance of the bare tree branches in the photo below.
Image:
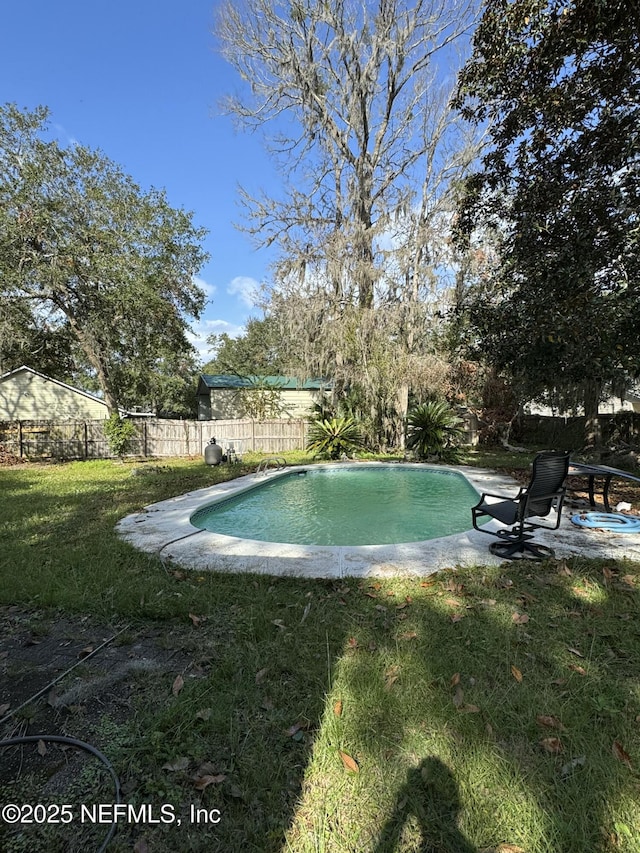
369	146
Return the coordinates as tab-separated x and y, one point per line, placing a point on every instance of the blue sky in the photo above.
141	80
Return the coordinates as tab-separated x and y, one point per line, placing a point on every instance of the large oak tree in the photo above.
559	85
87	255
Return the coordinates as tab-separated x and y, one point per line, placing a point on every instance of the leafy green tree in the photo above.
85	250
261	400
559	85
257	352
43	346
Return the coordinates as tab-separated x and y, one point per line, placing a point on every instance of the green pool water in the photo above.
378	505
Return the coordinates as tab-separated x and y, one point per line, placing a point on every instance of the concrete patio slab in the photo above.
164	529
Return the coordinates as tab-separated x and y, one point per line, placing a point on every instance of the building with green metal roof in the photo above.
225	396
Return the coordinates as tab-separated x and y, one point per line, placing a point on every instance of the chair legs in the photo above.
521	549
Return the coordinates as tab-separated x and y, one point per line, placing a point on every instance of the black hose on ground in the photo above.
78	744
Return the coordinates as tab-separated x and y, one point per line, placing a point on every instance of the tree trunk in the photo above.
97	362
592	432
403	408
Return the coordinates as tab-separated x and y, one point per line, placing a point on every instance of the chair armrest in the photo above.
503	497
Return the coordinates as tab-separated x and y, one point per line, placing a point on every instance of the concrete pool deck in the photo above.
164	529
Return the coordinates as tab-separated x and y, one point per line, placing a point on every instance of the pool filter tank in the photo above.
213	453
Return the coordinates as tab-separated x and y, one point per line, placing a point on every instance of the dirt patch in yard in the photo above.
83	679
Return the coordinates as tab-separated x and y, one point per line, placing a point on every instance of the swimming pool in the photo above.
347	505
164	529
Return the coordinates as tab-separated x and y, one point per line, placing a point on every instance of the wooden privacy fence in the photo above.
154	437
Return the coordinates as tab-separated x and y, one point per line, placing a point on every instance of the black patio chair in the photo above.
545	492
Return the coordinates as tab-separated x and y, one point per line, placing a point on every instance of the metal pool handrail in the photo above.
279	461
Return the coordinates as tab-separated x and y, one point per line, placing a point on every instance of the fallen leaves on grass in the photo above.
515	672
409	635
180	763
579	669
391	676
620	753
295	731
203	714
350	763
207	774
519	618
553	745
178	684
549	722
337	708
202	782
458	697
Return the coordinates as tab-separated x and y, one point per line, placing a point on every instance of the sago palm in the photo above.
432	429
334	436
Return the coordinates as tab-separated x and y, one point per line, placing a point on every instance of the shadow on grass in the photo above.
429	798
524	685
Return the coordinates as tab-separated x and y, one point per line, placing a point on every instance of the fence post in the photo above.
20	445
86	441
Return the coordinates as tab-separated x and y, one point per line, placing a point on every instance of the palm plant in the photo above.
432	430
333	437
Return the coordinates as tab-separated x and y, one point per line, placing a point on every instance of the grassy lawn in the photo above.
481	709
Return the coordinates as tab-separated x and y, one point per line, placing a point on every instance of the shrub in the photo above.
119	432
432	430
335	436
